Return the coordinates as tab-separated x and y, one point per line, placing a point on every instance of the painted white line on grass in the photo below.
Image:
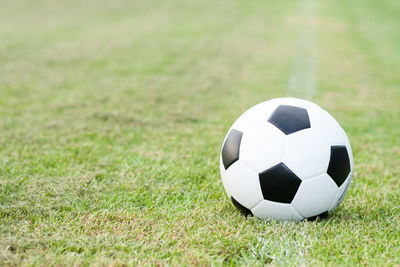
303	79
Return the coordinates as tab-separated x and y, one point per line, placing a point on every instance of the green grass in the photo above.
112	115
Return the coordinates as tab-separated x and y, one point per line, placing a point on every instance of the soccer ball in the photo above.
286	159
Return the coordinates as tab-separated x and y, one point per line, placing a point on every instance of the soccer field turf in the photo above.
112	115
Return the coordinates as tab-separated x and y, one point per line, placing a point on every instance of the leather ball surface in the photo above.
286	159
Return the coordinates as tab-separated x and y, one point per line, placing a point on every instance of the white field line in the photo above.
303	78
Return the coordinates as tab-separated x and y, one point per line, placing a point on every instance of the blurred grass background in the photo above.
112	116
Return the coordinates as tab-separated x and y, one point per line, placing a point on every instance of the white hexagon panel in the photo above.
349	150
306	154
242	184
315	196
326	126
341	193
262	146
255	116
271	210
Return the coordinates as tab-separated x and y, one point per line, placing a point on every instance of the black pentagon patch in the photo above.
230	150
245	211
339	164
279	184
290	119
